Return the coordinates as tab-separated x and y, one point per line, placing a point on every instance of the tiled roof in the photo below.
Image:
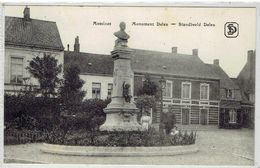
170	63
143	61
89	63
33	33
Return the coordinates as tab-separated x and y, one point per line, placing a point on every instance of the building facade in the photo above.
246	82
26	38
197	93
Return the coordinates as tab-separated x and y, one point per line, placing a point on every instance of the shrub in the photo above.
90	115
124	138
30	112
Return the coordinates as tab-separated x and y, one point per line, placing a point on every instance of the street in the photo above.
216	147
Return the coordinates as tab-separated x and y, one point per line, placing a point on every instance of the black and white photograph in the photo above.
129	85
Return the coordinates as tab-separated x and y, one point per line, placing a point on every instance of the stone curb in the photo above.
26	161
244	156
118	151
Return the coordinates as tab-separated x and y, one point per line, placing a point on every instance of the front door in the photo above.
185	116
203	116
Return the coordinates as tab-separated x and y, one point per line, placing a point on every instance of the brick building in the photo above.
246	82
196	92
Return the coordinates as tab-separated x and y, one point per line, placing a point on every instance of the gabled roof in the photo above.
33	33
143	61
171	63
225	80
89	63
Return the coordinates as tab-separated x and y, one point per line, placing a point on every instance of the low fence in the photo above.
21	137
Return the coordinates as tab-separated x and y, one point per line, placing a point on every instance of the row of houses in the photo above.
198	93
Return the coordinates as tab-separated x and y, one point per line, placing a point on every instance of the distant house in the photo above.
196	92
26	38
230	99
246	82
96	71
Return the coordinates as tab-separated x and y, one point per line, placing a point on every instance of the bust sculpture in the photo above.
122	36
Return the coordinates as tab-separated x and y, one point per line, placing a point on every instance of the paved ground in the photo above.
217	147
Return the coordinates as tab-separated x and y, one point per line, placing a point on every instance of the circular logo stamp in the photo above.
231	29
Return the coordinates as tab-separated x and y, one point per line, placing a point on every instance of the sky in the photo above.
210	41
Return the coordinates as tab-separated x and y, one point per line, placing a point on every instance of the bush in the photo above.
90	114
30	112
124	138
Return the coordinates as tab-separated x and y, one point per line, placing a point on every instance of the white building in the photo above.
26	38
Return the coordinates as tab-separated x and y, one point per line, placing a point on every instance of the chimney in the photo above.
250	56
216	62
76	45
174	50
26	14
68	47
251	62
195	52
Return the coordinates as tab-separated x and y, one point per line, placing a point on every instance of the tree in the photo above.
46	71
70	92
147	95
149	87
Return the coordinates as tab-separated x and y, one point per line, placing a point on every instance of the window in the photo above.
186	90
232	116
167	91
96	89
204	91
230	93
109	90
16	70
251	97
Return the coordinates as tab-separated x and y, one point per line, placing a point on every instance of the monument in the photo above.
121	113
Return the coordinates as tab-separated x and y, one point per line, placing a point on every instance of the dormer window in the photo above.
230	94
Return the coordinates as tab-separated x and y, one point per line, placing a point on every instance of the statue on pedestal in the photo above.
121	112
122	36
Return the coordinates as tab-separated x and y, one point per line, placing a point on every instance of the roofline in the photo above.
168	74
31	19
164	52
33	46
96	74
86	53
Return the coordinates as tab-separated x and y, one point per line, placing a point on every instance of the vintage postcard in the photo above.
129	85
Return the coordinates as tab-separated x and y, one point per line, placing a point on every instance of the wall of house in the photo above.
89	79
237	95
214	93
27	54
175	104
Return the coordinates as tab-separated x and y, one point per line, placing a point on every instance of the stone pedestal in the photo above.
120	114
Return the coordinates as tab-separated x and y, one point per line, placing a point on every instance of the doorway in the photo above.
185	116
204	116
